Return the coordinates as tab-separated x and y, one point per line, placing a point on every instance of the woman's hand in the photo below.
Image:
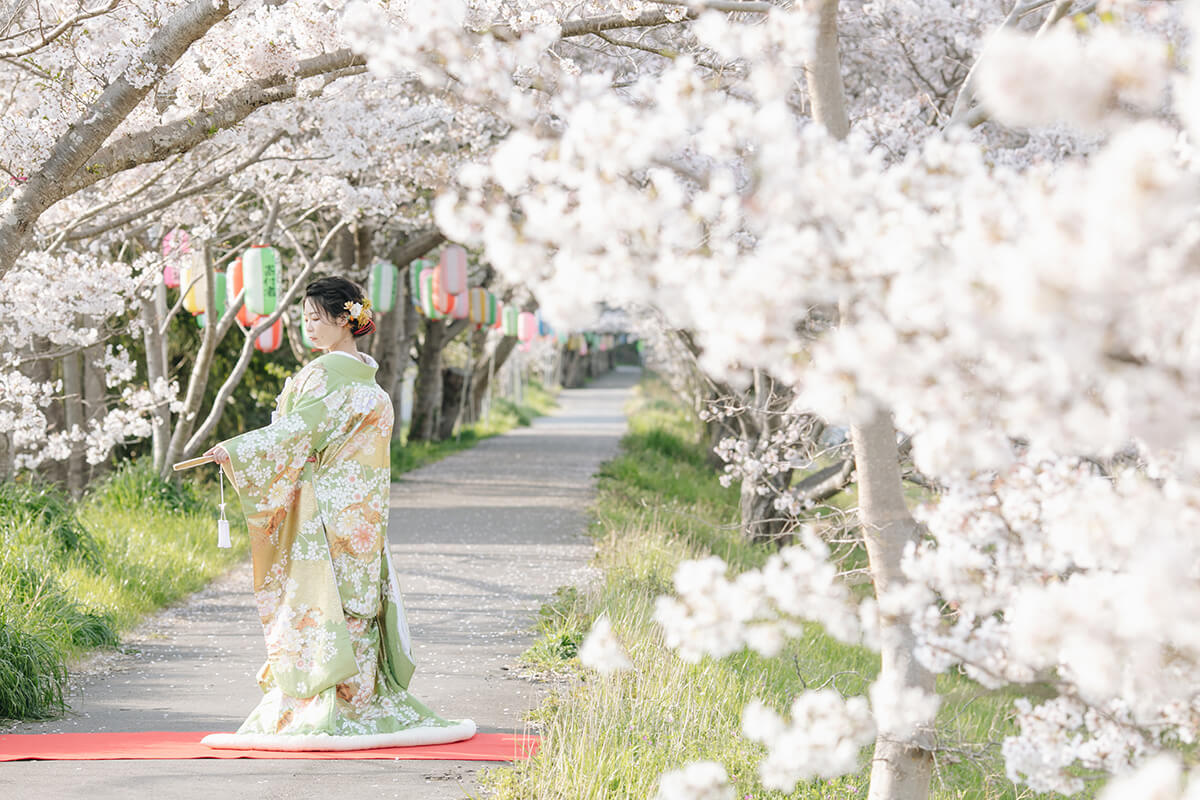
219	455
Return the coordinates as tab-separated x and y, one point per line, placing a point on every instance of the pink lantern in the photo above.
526	326
461	309
176	242
453	269
171	276
269	340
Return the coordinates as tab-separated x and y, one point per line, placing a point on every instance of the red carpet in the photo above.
172	744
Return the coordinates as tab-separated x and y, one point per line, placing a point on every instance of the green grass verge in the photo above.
503	416
73	577
611	737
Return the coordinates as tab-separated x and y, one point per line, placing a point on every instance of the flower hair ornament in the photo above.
360	313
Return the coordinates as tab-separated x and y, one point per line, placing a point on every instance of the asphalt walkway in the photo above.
481	539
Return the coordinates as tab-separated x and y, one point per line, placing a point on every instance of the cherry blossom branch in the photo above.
171	199
50	182
62	28
176	137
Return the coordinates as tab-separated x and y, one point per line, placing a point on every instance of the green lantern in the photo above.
490	309
381	286
220	300
414	279
511	315
261	273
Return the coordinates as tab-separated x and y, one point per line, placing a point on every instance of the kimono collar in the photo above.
349	365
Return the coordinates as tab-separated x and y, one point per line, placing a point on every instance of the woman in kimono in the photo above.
314	487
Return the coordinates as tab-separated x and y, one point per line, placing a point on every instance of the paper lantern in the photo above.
262	279
381	286
563	337
196	298
200	320
583	346
491	311
498	322
414	281
511	315
220	303
452	269
443	300
639	345
171	276
233	286
269	340
526	326
542	328
476	304
461	307
427	305
176	242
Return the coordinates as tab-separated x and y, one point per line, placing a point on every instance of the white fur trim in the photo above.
464	729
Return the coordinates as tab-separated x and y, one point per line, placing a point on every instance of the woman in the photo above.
314	486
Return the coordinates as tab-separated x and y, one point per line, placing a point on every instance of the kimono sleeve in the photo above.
265	463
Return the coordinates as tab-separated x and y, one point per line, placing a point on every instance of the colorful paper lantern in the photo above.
414	279
511	315
461	307
381	286
443	300
526	326
476	304
498	322
176	242
428	308
171	276
491	310
542	328
262	278
200	319
234	284
452	269
269	340
195	300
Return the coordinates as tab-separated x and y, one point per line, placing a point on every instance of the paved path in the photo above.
480	539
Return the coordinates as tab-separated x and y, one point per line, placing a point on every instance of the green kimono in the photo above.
314	486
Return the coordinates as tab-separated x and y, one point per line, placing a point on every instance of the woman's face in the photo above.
323	331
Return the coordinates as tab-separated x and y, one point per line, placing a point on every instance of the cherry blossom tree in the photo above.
981	283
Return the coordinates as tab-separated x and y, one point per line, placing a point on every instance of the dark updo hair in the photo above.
331	295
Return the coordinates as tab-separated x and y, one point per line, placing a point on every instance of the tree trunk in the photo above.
72	375
453	384
487	369
95	396
427	393
901	769
154	311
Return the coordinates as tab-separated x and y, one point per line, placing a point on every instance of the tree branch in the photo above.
157	143
50	181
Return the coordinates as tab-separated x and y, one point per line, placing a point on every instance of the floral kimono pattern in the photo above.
314	487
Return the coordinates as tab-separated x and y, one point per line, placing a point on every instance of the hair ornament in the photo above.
360	312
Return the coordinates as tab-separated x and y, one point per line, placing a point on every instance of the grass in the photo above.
503	416
612	736
74	577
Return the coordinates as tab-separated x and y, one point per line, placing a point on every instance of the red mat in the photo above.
173	744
